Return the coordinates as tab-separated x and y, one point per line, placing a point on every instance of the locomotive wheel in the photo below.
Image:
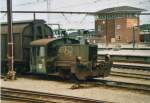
73	77
80	76
77	74
65	74
62	74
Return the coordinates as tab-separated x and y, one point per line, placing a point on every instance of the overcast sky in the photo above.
71	20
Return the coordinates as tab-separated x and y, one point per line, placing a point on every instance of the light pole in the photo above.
11	72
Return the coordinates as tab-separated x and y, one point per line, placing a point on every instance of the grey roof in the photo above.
24	22
121	9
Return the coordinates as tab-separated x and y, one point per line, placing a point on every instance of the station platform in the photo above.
129	56
125	52
133	64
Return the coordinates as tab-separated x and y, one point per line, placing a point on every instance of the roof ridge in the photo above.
121	8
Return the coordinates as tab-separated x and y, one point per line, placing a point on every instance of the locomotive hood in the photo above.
44	42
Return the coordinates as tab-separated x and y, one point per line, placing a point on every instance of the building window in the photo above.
103	22
118	37
99	28
118	26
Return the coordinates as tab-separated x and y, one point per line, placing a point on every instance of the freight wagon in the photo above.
23	33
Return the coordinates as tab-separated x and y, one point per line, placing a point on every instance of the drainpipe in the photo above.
133	38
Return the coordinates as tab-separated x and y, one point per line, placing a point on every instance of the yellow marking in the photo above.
66	50
10	43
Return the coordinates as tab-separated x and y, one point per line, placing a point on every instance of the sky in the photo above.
71	20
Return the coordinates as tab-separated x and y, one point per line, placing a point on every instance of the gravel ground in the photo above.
99	93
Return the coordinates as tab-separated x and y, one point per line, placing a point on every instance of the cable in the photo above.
29	3
76	5
66	18
83	18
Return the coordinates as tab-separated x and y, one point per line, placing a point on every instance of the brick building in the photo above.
118	24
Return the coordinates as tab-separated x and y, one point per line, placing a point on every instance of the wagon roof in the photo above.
42	42
24	22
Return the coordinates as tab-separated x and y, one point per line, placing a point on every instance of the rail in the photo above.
39	97
129	65
126	85
130	75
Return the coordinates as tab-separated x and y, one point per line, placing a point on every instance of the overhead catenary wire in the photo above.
31	2
83	18
65	18
77	4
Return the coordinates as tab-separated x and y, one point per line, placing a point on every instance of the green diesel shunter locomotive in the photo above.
67	58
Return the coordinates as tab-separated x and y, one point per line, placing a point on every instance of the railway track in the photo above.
135	66
39	97
119	72
130	75
118	84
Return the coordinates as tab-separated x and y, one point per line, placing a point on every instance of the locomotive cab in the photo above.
44	52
